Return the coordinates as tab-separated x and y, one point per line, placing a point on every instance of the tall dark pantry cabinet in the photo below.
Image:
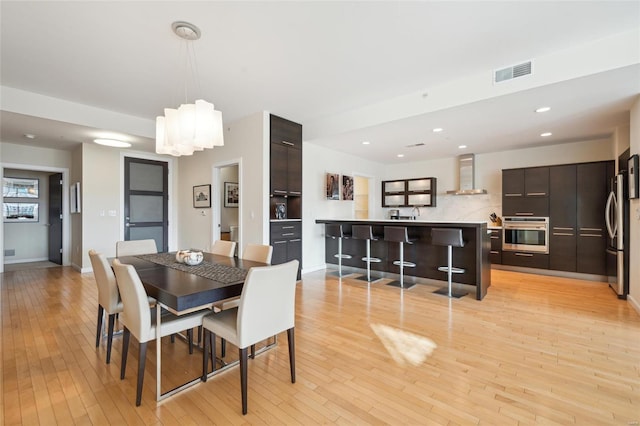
285	190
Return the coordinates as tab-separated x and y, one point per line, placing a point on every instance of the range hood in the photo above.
466	173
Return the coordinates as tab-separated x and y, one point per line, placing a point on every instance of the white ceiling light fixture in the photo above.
543	109
462	146
400	155
546	134
29	136
191	127
366	143
113	143
438	130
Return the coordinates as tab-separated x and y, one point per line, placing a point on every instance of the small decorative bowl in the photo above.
189	257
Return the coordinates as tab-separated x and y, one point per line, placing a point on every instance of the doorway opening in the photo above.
361	197
35	226
227	201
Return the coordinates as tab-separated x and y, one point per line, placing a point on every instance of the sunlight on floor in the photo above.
404	347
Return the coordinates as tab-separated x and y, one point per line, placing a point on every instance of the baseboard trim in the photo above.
38	259
634	303
552	273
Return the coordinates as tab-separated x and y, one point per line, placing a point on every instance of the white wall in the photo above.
316	162
30	240
634	253
245	140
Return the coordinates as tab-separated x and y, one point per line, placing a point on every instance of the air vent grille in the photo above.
512	72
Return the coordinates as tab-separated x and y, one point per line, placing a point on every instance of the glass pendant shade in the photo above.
191	127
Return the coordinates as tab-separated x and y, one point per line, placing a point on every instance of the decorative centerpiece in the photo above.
189	257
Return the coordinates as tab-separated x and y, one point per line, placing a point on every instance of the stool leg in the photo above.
449	264
340	257
369	260
401	265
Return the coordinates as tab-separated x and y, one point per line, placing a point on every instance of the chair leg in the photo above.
292	353
99	329
199	334
205	356
253	351
212	343
173	338
243	378
141	364
112	320
223	348
125	349
190	339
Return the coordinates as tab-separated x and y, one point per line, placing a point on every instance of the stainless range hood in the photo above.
466	173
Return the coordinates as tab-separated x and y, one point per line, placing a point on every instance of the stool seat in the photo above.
449	237
335	231
365	232
399	234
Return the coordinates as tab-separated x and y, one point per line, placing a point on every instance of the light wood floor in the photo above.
535	350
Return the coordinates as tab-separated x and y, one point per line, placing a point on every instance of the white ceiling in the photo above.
307	61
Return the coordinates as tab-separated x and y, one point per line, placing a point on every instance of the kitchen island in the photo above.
473	257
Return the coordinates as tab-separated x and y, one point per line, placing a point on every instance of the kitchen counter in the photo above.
473	257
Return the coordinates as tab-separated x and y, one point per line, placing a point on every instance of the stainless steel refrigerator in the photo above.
617	220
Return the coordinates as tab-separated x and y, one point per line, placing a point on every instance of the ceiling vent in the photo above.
512	72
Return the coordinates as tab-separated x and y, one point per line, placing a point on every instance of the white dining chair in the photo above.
134	247
223	248
256	253
266	308
137	320
108	297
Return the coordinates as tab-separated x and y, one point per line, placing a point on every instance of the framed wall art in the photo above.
333	186
231	194
20	187
633	176
202	196
20	212
347	187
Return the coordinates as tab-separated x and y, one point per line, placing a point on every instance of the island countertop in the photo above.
473	257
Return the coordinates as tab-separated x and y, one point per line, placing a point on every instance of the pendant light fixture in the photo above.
191	127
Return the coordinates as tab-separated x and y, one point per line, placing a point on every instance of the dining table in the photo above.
181	289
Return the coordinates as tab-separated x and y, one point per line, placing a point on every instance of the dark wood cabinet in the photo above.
592	183
419	192
525	259
525	192
285	190
563	218
495	254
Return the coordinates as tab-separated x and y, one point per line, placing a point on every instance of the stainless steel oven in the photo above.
525	234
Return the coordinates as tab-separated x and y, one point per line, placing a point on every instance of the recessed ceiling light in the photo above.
438	130
543	109
366	143
462	146
112	142
400	155
546	134
29	136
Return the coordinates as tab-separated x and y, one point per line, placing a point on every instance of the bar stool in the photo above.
365	232
450	237
399	234
335	231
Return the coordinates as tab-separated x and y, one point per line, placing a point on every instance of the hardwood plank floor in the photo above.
536	350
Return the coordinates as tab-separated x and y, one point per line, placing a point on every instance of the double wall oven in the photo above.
525	234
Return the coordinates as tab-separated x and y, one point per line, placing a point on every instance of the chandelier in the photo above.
191	127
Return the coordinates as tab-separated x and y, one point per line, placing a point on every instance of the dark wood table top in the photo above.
181	290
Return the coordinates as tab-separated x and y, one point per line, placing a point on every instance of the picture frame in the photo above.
18	187
74	199
20	212
332	188
231	194
633	174
202	196
347	188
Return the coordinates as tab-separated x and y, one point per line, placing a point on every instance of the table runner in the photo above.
213	271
